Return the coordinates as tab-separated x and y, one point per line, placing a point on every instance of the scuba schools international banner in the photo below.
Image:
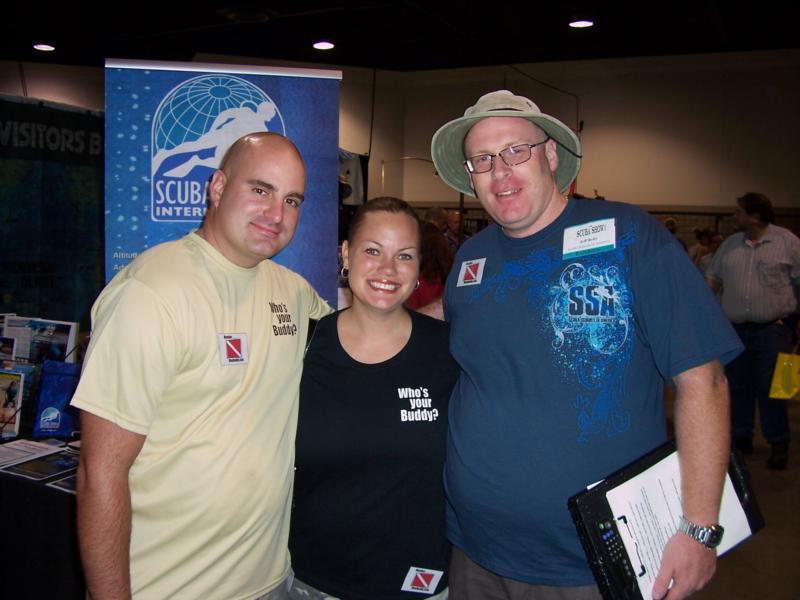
169	124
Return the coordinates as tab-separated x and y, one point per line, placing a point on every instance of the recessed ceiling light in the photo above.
580	23
44	47
323	45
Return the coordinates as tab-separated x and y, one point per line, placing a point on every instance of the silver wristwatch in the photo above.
708	535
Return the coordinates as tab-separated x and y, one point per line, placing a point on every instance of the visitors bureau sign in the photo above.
168	125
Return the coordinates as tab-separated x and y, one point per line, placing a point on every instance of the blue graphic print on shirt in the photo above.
591	315
589	319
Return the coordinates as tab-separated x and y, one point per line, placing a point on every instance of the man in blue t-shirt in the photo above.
566	318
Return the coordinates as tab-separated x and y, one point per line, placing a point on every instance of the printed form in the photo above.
647	508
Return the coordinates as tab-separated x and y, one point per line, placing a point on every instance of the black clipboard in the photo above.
616	573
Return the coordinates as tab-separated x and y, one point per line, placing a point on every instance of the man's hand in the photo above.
687	564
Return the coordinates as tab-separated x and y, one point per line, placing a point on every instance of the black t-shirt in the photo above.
368	496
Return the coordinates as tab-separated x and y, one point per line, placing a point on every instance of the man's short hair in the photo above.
756	204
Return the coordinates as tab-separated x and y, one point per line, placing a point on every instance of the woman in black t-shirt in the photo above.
368	510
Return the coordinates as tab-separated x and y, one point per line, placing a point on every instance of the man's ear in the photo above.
469	175
216	187
551	153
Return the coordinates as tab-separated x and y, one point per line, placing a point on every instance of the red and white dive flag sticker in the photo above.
422	581
471	272
232	348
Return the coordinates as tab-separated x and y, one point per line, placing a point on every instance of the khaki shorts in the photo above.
303	591
470	581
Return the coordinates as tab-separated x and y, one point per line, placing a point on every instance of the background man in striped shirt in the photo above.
758	273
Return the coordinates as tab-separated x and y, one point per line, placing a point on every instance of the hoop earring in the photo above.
416	286
345	272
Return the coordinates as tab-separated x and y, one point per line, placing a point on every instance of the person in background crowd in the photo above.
455	232
757	273
702	245
436	263
437	216
441	219
713	245
368	511
564	315
671	223
189	394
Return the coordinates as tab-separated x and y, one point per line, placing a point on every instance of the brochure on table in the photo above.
12	386
45	467
38	339
21	450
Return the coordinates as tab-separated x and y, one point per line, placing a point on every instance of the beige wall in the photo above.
694	132
686	130
76	86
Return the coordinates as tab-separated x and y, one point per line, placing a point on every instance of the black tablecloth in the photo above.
40	541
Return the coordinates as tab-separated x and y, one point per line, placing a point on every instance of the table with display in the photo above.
39	532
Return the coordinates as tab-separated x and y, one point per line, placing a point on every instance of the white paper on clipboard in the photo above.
647	508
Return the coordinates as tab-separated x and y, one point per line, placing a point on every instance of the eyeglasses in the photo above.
512	156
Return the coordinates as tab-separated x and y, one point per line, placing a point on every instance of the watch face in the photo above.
710	536
713	536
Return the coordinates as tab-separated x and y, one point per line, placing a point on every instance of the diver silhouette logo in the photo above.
195	124
50	418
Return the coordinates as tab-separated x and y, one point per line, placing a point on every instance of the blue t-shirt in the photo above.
564	339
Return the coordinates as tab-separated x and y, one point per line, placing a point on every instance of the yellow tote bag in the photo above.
786	378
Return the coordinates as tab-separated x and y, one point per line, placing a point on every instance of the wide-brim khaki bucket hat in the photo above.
447	145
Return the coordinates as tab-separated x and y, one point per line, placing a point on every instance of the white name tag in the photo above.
589	238
421	581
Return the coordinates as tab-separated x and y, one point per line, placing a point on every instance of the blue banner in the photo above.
168	126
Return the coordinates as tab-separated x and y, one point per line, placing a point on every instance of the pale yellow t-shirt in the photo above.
203	358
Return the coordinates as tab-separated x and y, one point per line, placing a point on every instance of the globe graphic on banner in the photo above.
193	127
190	110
